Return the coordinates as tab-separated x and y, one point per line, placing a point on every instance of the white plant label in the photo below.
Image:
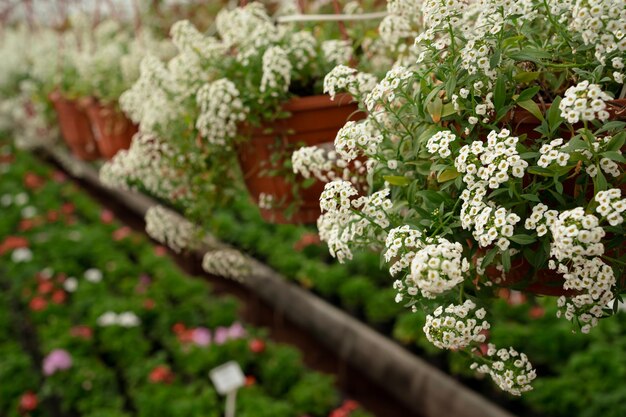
227	377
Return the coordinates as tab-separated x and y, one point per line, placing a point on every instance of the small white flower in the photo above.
70	284
93	275
21	255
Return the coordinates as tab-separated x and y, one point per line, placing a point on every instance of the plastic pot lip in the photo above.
317	102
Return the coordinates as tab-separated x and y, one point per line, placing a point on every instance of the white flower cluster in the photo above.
494	225
302	49
401	23
27	119
337	51
541	219
611	206
456	326
322	163
187	38
343	78
148	164
351	221
509	369
125	319
438	267
248	28
576	234
148	102
592	282
551	152
228	263
577	246
438	17
384	93
493	163
440	143
314	161
476	58
170	229
492	14
439	13
356	137
395	29
584	102
596	160
276	70
400	248
618	64
601	23
266	201
221	110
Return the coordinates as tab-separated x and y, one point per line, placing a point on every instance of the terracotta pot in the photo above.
113	131
75	127
313	121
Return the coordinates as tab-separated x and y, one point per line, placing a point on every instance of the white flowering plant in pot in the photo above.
217	89
494	160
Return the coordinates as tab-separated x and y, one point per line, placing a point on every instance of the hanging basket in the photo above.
75	127
520	276
113	131
314	120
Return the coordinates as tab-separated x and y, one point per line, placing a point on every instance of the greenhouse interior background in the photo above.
312	208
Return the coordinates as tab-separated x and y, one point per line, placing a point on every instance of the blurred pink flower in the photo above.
221	335
236	331
57	360
201	336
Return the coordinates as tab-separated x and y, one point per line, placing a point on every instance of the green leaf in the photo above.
554	115
523	239
532	107
489	257
506	260
614	156
600	181
447	175
527	94
544	172
526	76
531	197
499	96
617	142
558	186
435	109
397	180
612	125
533	55
448	109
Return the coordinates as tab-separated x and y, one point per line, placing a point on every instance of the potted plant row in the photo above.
252	95
97	62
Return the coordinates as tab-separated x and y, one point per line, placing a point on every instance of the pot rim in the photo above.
316	102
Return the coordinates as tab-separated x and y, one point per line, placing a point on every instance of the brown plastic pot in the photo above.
113	131
75	127
314	120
